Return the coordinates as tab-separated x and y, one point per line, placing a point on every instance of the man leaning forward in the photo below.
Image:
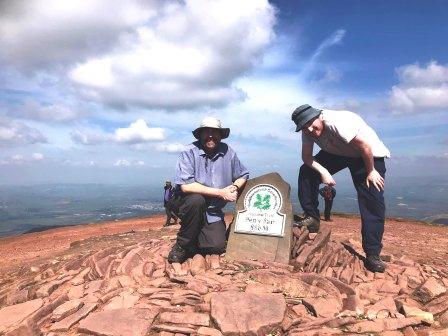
346	141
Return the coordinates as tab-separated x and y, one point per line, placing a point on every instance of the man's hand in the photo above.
328	179
233	188
376	179
229	193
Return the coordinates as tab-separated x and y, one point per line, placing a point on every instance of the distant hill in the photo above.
437	219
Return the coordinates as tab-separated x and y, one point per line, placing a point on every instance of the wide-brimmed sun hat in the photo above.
303	114
210	122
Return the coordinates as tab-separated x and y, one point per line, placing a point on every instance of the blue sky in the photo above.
113	97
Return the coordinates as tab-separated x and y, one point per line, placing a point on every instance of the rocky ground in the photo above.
113	279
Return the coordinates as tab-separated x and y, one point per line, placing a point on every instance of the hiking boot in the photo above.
374	264
311	223
177	254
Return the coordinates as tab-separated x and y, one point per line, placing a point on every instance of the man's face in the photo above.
210	139
314	127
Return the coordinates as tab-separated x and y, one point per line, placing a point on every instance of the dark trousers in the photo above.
195	231
328	206
370	200
169	214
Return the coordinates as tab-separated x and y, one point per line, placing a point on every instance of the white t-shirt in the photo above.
340	128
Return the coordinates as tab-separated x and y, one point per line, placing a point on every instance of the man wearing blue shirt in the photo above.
208	174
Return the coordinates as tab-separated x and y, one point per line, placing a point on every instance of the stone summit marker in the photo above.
262	226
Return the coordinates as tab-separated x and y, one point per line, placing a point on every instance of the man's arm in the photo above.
366	153
308	159
239	183
228	193
185	178
240	174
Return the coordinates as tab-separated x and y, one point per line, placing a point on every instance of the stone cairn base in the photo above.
132	290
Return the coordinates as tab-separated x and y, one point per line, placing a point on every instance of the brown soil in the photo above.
423	243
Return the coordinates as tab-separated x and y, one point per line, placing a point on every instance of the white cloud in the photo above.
414	75
127	163
44	34
32	109
38	156
152	54
88	136
267	109
331	75
16	133
122	163
138	132
16	159
420	89
334	39
135	134
170	147
20	159
189	56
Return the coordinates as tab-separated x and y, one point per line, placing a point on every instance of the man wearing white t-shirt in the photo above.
346	141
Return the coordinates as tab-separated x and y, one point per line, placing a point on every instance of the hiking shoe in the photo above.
177	254
375	264
311	223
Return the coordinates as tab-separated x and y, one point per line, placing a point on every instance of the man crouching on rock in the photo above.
208	175
345	141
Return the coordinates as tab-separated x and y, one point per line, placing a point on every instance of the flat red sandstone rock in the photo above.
258	288
380	325
67	308
12	315
321	239
95	264
118	322
70	320
290	286
186	318
323	307
438	305
174	329
197	286
246	313
410	311
440	332
198	265
429	290
206	331
124	300
382	309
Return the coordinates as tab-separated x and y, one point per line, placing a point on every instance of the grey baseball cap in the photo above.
303	114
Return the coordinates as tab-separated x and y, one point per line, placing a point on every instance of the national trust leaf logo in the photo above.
262	203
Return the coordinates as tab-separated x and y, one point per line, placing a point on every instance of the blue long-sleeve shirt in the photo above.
218	171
